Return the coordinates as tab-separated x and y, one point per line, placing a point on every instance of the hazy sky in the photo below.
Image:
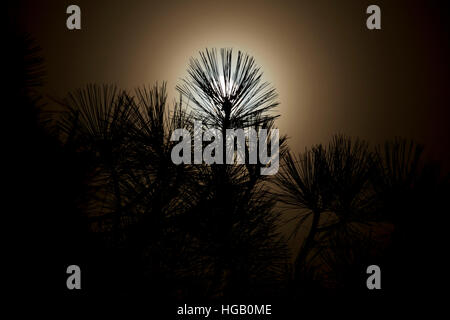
333	75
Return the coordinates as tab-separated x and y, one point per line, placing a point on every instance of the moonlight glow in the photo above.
226	89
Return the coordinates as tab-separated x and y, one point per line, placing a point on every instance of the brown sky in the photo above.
332	74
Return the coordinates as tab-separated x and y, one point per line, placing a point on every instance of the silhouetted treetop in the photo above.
228	92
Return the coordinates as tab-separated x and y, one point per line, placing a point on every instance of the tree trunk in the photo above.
307	245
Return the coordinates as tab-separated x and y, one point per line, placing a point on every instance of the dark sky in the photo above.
333	75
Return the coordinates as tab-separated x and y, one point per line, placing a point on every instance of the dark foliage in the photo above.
96	186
